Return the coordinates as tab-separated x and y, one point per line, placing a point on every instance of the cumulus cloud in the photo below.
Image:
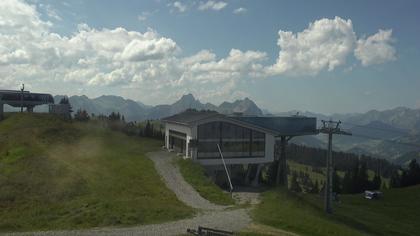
325	44
145	62
51	12
240	10
212	5
155	48
179	6
376	49
147	65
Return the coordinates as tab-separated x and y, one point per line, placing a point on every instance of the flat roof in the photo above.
282	126
14	98
189	117
278	126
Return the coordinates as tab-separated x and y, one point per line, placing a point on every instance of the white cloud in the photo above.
376	49
240	10
51	12
325	44
143	16
179	6
155	48
147	65
116	60
212	5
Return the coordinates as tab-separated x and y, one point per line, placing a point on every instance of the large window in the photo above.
234	140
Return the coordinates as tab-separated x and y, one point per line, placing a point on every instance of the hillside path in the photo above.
164	164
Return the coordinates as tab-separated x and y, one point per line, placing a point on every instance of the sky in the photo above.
320	56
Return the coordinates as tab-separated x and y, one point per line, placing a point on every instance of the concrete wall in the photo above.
180	128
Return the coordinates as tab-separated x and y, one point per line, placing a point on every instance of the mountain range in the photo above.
392	134
137	111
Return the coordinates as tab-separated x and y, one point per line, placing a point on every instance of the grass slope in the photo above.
398	213
61	175
194	174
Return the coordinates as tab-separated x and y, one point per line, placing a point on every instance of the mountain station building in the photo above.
243	140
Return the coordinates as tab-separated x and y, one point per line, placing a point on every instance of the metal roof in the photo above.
189	117
278	126
27	99
282	126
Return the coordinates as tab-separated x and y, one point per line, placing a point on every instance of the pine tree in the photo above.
315	189
336	184
294	185
348	183
395	180
363	178
376	182
384	186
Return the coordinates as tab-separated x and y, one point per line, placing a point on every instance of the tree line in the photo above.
316	157
116	121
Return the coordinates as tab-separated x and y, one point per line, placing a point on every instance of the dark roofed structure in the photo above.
215	140
283	126
279	126
190	116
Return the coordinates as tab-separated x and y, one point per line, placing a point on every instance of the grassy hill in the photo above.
194	174
398	213
61	175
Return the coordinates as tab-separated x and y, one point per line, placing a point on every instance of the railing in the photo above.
203	231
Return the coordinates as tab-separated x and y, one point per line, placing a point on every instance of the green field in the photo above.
194	174
62	175
315	176
398	213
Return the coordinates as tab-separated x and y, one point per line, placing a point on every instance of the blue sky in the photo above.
334	56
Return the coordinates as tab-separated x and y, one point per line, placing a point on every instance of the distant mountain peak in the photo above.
188	97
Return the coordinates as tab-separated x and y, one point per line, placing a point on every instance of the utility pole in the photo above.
330	127
21	97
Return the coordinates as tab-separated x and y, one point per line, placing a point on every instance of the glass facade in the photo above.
234	140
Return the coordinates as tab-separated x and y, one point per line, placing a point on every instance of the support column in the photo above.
281	178
248	174
328	186
187	147
256	180
1	111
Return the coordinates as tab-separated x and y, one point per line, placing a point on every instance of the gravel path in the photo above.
232	220
175	182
